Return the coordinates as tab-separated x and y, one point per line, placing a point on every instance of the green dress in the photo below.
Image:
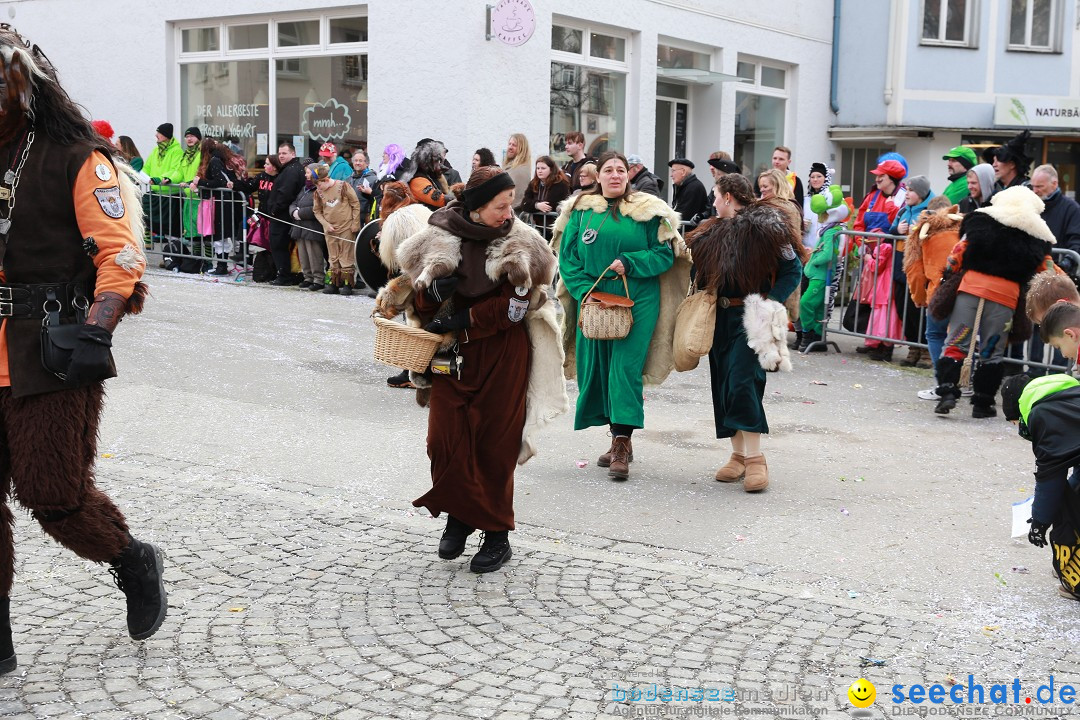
609	372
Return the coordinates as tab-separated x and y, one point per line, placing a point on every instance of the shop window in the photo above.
325	101
950	22
297	34
773	77
248	37
1035	25
227	99
607	47
759	127
348	30
566	39
195	40
673	57
747	71
593	102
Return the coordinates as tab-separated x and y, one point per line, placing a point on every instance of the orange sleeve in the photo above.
424	191
102	215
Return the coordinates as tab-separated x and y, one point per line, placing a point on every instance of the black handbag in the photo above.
58	339
849	320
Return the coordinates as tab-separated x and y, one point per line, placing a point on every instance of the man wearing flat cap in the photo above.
690	197
959	160
640	178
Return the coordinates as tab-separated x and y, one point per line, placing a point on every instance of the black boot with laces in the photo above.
494	551
137	572
454	538
8	662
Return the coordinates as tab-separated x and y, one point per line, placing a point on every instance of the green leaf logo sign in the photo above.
1019	112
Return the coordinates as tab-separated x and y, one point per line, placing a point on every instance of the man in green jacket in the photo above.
163	165
187	169
960	159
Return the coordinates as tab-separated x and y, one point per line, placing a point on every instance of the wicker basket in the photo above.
403	346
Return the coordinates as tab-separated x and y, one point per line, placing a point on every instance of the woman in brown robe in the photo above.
477	271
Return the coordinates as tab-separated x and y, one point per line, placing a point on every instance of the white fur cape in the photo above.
398	226
434	252
765	322
642	207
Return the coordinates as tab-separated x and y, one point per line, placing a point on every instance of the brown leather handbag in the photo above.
606	316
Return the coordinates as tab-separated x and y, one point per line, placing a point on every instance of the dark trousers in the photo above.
48	444
280	248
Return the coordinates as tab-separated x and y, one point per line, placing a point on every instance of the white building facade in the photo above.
659	78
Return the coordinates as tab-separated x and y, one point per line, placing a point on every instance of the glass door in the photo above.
672	119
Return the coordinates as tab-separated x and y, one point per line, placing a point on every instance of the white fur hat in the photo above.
1018	207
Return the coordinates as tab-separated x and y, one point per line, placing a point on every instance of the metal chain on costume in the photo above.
5	222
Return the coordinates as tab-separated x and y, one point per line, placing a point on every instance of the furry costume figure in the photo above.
642	207
396	228
513	257
765	322
68	186
794	226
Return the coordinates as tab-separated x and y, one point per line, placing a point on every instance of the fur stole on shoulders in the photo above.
642	207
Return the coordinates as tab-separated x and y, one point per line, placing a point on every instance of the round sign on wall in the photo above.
513	21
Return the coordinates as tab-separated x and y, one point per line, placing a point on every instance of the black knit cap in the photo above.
1011	390
479	196
819	168
165	129
193	131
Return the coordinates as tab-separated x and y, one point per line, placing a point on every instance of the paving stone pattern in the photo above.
285	603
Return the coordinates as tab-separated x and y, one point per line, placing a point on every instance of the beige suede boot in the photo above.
734	469
757	474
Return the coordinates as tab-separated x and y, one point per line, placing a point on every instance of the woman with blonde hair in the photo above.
518	162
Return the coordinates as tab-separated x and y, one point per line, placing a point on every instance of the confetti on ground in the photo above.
818	382
852	594
868	662
106	455
740	537
950	680
860	479
236	609
1020	569
857	386
843	511
991	628
1000	579
582	463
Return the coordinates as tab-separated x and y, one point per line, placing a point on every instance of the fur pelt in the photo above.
642	207
766	322
521	256
944	298
930	223
396	228
1000	250
1019	208
524	258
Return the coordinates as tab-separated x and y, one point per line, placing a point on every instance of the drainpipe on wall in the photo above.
834	100
890	56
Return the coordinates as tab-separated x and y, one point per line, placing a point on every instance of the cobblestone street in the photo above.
255	442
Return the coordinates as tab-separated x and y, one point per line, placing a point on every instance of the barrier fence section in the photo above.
196	231
856	283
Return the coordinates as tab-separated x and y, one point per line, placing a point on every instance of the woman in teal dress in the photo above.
749	248
612	233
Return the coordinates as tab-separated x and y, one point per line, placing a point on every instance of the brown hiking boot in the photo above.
619	467
734	470
913	356
605	459
757	474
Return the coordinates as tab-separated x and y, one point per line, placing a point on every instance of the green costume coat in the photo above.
957	190
641	234
164	162
818	270
187	166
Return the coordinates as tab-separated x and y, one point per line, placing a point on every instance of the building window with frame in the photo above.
760	113
1035	25
950	22
589	71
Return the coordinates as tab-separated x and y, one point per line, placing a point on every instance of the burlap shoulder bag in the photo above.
695	323
605	316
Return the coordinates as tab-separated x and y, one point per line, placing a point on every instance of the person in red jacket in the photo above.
71	252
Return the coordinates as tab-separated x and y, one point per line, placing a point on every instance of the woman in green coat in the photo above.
601	242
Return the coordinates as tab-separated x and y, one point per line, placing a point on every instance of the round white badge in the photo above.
103	172
521	291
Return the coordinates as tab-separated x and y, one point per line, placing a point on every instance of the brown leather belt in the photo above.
726	302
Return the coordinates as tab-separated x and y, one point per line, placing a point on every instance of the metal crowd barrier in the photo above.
173	229
845	280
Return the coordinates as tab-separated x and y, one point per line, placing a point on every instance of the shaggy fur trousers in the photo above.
47	448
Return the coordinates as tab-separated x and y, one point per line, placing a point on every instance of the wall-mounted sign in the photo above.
512	21
1036	112
326	121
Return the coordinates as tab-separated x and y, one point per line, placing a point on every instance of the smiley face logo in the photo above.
862	693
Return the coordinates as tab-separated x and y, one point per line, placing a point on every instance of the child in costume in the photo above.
832	212
1047	410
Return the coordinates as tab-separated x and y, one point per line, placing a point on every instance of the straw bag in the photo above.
403	346
604	316
695	323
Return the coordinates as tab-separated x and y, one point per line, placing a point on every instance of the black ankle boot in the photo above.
948	390
494	551
137	572
985	384
8	661
799	341
454	538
